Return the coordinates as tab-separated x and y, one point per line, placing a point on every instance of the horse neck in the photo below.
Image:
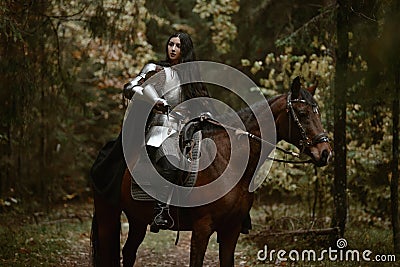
252	124
278	109
277	106
257	120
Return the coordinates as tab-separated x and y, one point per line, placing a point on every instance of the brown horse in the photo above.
297	121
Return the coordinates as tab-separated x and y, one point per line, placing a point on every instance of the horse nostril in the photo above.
324	155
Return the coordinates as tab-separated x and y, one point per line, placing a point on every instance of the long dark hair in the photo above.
190	90
187	48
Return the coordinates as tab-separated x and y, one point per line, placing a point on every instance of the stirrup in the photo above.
162	220
155	228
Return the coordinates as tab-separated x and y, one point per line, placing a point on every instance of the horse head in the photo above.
298	122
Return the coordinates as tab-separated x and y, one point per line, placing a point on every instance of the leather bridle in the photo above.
305	140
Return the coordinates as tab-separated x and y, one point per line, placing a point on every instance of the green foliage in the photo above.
64	63
222	29
300	37
369	158
368	110
63	71
275	74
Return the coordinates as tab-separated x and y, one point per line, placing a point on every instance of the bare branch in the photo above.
362	15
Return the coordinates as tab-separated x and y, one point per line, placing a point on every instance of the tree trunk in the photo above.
341	83
392	28
394	185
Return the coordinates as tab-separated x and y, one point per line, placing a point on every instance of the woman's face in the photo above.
174	50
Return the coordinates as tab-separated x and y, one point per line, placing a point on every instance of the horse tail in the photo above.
94	242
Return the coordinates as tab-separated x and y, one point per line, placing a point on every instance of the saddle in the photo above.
190	145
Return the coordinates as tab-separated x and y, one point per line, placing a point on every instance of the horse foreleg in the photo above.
227	244
136	234
198	245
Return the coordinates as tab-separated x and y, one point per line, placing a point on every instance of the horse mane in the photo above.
245	114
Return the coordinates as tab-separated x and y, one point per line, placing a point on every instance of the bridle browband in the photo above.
305	140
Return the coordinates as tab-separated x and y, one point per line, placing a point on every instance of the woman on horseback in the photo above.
162	128
162	131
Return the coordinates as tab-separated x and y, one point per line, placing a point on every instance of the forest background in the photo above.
63	64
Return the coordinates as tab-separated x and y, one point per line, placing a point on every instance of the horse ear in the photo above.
312	89
296	87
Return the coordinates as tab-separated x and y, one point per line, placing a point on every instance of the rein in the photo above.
259	139
304	142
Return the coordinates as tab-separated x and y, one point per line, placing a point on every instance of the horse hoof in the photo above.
154	228
244	231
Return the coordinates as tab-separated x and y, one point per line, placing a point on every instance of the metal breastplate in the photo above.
172	91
